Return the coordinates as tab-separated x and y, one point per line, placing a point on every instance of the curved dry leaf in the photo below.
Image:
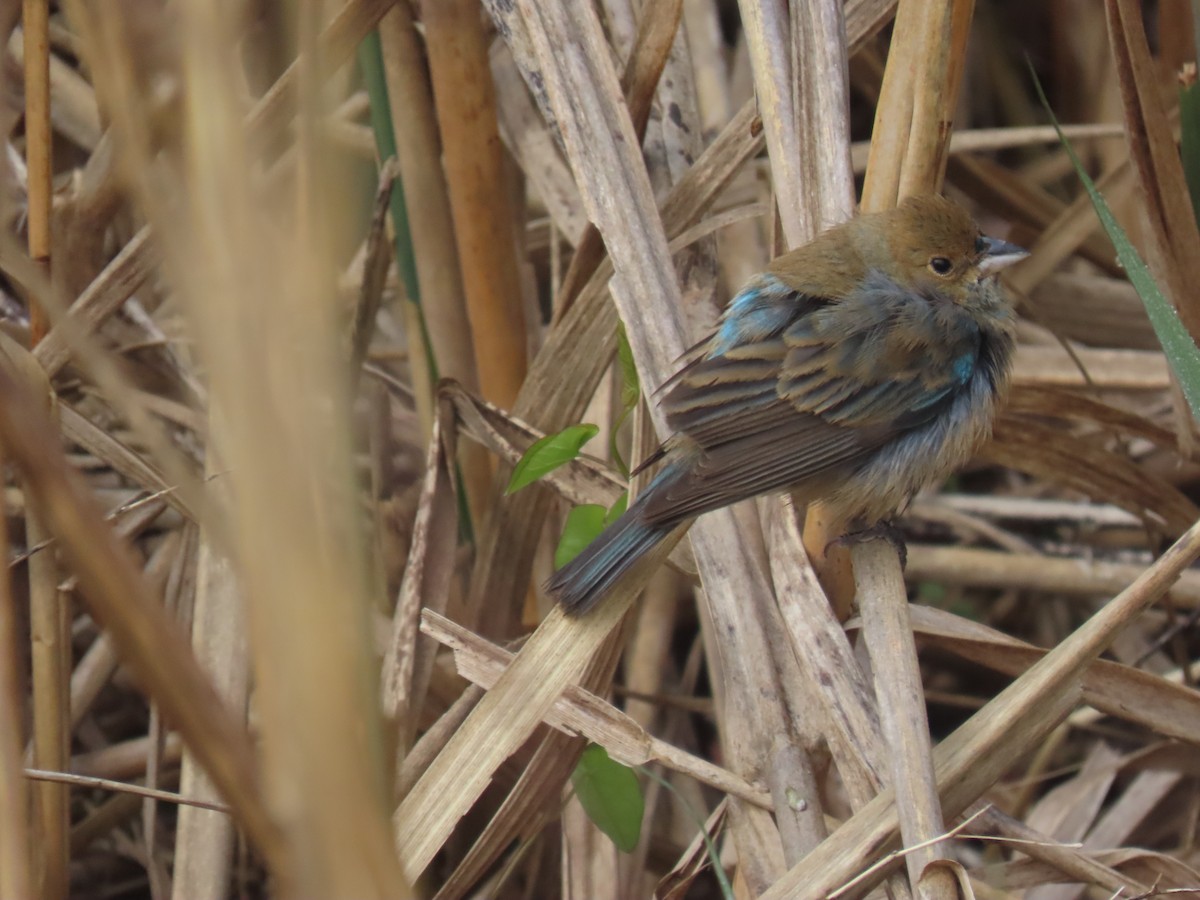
1034	448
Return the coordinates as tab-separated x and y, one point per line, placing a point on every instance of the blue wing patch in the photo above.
763	308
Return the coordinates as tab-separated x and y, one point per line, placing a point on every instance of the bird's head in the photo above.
935	245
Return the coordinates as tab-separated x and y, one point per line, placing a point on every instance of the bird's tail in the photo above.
582	582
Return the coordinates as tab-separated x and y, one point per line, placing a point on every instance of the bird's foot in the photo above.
885	531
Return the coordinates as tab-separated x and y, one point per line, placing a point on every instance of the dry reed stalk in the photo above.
559	651
497	726
16	858
966	762
1127	370
615	191
1072	577
38	159
51	667
408	660
50	637
103	296
435	252
125	759
49	631
293	521
342	850
909	149
1070	861
672	213
655	33
583	713
582	342
479	198
1124	692
808	138
1027	445
204	840
537	794
343	33
111	585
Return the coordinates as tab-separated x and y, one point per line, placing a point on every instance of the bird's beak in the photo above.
998	254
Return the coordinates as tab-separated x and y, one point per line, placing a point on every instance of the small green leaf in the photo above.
1178	346
584	523
611	796
549	453
614	511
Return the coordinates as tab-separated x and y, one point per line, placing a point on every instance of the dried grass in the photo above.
275	573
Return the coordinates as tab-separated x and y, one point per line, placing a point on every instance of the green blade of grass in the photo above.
1182	354
1189	134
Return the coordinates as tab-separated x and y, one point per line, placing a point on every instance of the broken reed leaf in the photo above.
1178	346
549	453
610	795
1189	135
584	524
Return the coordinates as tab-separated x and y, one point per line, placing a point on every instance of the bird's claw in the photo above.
885	530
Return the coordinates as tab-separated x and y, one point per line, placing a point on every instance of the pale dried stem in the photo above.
51	660
978	751
16	877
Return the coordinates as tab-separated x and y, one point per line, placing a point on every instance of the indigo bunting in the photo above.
855	370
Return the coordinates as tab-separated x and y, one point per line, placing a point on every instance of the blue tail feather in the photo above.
580	584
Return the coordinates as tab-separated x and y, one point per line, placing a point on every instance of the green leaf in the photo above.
611	796
614	511
584	524
1189	145
631	387
1181	351
549	453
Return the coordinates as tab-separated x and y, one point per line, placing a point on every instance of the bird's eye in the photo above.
939	265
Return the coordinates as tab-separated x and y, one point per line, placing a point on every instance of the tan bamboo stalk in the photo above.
48	617
435	252
479	196
38	144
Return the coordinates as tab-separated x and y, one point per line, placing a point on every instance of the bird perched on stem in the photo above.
855	370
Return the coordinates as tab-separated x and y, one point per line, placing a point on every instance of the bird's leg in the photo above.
885	530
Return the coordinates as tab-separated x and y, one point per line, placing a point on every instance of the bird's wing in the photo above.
796	388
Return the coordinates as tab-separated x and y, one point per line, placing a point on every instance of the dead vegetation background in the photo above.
271	625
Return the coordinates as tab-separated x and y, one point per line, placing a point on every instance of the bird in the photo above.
855	370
